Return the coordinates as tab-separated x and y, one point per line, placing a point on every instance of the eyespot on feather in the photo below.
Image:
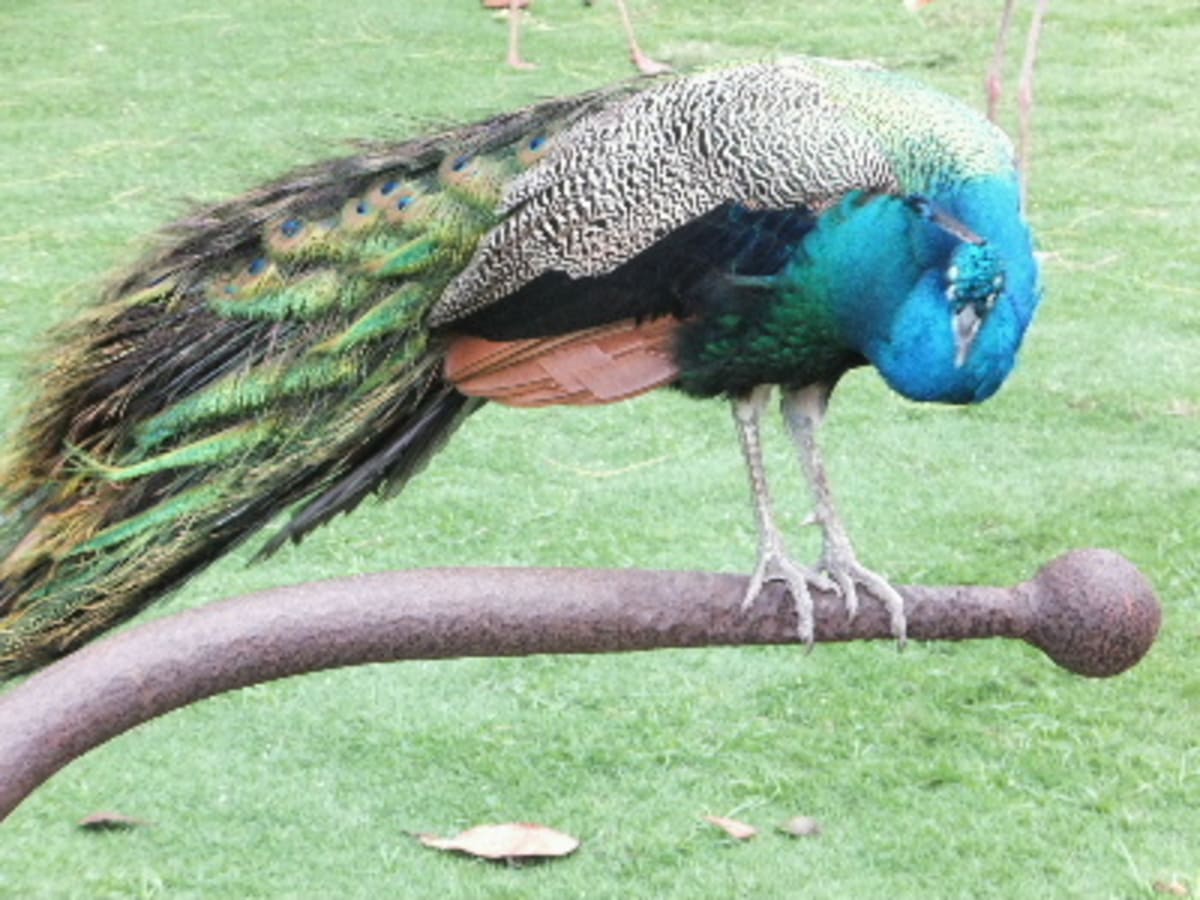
289	235
474	179
399	202
256	276
358	214
534	149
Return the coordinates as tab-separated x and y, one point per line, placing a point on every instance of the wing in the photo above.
603	338
668	278
800	133
643	167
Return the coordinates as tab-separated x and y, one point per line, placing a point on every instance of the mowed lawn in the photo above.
973	770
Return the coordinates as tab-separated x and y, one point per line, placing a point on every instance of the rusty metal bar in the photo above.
1091	611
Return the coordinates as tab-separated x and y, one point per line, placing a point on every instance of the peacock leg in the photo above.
995	76
804	411
774	564
645	64
1025	95
515	15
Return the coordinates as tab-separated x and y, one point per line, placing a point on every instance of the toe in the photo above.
848	590
890	598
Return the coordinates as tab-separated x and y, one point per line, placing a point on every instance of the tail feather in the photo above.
272	352
108	540
389	462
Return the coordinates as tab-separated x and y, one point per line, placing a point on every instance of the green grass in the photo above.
976	770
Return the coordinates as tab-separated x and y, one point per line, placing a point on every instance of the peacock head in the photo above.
974	284
954	336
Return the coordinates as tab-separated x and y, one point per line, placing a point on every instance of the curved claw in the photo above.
849	574
775	565
847	589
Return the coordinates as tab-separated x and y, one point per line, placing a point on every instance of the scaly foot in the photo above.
648	66
843	567
774	564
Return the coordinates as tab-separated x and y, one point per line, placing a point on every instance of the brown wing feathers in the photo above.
597	365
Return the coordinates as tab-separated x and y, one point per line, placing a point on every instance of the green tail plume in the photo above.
273	353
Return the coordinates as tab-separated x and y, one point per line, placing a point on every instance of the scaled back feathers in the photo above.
802	132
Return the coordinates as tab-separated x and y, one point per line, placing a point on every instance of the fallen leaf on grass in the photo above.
737	830
513	840
1174	888
801	826
110	821
1185	409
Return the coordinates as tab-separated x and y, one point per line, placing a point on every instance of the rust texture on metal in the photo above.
1091	611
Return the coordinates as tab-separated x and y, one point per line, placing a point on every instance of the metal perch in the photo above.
1091	611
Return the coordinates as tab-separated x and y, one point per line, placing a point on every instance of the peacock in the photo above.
318	339
516	8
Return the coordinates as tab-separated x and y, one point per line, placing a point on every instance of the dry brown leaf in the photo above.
512	840
110	821
737	830
1174	888
1185	409
801	826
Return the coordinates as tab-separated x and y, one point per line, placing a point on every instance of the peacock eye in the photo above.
998	288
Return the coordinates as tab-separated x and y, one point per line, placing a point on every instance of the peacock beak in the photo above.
967	322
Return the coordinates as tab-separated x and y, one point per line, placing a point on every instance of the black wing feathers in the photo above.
668	278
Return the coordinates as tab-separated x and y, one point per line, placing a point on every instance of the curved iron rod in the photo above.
1091	611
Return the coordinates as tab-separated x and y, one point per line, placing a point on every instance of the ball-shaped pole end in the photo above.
1096	614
